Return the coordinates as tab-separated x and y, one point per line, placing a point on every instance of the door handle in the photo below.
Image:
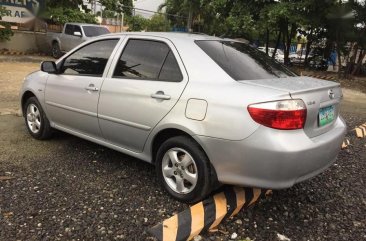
160	96
91	87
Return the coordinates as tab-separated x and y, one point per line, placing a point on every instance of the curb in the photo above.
207	214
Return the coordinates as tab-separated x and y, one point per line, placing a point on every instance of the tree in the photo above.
359	26
158	23
340	29
118	6
5	32
137	23
280	23
62	15
64	3
183	12
63	11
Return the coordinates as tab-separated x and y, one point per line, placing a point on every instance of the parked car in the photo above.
299	56
203	110
280	55
72	35
318	63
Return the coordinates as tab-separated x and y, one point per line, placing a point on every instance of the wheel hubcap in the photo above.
179	170
33	118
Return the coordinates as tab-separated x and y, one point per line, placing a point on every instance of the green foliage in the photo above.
118	6
64	3
158	23
6	32
137	23
109	14
62	15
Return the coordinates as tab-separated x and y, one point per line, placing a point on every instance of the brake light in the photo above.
282	114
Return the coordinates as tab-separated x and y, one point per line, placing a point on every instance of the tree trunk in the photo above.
267	40
308	45
362	55
351	61
277	44
288	42
189	20
284	34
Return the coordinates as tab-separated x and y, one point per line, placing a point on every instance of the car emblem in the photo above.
331	94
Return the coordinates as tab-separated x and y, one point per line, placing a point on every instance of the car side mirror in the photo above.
49	67
78	34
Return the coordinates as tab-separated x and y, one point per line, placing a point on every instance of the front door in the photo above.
70	40
146	82
72	95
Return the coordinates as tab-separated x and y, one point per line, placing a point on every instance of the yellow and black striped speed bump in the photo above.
206	215
320	76
10	52
345	143
361	131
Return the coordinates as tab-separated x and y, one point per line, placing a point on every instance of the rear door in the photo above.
72	95
146	81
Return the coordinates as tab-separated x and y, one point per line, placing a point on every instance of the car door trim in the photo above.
123	122
65	107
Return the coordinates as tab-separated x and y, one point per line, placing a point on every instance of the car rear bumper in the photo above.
272	158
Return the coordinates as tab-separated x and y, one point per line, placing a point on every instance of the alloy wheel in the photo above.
179	170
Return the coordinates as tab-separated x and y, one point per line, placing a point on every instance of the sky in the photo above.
151	5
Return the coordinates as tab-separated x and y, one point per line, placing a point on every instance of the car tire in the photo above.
36	120
56	50
183	169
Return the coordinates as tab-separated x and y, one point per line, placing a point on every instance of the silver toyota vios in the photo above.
204	110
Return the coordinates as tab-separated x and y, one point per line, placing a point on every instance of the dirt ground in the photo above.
67	188
11	79
356	82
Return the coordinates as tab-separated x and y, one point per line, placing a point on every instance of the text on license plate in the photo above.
326	115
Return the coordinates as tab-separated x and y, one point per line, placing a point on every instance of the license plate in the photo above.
326	115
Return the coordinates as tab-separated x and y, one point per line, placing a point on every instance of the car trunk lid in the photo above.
322	99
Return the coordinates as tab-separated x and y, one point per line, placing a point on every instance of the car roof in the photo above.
170	35
86	24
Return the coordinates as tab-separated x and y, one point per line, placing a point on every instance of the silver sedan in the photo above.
204	110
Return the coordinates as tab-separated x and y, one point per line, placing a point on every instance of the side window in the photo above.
90	60
69	30
76	29
146	59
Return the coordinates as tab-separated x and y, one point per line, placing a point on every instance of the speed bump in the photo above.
345	144
206	215
361	131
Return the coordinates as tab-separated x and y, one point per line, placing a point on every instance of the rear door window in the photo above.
170	70
243	62
149	60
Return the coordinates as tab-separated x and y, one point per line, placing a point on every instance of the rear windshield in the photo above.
243	62
92	31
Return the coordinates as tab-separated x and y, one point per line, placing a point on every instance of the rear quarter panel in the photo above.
227	116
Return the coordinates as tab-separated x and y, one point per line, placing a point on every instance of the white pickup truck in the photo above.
72	35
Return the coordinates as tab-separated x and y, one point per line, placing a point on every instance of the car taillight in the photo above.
282	114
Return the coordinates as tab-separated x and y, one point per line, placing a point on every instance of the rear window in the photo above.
243	62
92	31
